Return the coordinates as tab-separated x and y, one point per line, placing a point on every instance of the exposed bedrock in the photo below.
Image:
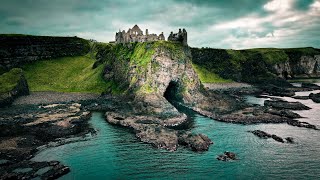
163	73
155	131
18	50
303	66
280	104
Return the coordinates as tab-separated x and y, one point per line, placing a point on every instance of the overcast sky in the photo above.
236	24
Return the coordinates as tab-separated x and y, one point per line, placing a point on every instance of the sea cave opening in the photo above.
172	93
174	96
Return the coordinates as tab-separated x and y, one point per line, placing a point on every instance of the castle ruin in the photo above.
135	34
181	36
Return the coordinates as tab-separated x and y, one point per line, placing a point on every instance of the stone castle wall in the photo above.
135	34
17	50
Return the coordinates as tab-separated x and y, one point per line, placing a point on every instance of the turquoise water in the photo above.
115	153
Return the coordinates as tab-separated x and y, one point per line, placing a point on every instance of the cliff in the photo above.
259	65
13	84
16	50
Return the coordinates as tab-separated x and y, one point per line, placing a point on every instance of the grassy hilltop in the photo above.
106	67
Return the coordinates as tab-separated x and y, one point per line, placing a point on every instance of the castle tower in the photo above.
147	33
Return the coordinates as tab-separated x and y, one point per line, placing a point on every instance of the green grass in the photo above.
67	74
206	76
9	80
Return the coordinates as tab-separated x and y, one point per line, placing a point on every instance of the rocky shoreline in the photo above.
26	127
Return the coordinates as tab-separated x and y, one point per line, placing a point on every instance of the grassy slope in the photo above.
67	74
9	80
207	76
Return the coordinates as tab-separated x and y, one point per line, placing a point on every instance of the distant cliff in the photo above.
16	50
259	65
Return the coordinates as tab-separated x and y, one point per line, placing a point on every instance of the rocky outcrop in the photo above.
280	104
14	85
315	97
16	50
25	128
153	130
227	156
303	66
265	135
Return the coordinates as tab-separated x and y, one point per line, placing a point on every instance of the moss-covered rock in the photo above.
12	85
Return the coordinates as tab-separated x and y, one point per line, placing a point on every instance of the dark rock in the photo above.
261	134
310	86
315	97
301	97
302	124
265	135
277	138
289	139
56	172
283	113
227	156
197	142
286	105
278	91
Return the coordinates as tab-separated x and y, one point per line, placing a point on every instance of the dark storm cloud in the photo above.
214	23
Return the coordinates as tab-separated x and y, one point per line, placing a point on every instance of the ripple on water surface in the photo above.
115	153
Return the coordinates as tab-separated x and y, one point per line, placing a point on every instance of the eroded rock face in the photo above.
306	66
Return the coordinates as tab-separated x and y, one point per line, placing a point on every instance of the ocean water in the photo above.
115	153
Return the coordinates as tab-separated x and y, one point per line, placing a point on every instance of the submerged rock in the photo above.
227	156
289	140
265	135
302	124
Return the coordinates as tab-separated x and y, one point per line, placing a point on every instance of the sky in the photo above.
232	24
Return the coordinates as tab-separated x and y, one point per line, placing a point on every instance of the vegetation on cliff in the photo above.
207	76
67	74
9	80
126	64
251	65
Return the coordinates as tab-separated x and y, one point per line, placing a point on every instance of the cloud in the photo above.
210	23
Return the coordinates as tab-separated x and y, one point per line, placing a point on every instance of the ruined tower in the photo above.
181	36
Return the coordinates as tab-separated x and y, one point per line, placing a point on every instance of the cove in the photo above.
115	153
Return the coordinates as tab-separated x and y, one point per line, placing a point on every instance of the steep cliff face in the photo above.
259	65
154	73
151	70
306	66
16	50
13	84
